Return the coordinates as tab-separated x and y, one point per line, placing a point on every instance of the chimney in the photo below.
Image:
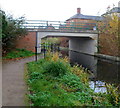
78	10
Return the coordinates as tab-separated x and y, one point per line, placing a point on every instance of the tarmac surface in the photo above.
14	88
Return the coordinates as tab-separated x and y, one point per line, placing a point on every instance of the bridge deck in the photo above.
60	26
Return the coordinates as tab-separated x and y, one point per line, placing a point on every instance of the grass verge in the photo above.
26	98
53	82
18	53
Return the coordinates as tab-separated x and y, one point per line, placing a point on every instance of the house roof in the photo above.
81	16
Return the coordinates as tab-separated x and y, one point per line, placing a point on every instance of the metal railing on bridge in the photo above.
63	26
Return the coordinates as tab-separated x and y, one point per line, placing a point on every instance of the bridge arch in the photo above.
80	42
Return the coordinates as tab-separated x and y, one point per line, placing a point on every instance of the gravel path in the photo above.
13	84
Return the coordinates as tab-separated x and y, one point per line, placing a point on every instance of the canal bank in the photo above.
104	70
53	81
108	57
102	56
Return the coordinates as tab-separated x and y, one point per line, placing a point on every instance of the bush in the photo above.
55	68
12	30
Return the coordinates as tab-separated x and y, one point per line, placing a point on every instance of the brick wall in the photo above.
82	22
28	42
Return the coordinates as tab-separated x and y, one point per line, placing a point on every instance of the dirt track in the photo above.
13	84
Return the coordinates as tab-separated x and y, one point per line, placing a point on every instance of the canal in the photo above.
104	71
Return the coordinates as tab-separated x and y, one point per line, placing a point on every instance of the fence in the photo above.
47	47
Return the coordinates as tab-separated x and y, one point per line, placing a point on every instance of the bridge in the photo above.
83	37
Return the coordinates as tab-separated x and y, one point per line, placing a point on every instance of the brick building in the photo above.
79	19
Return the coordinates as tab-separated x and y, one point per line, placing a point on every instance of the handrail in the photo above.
66	25
59	22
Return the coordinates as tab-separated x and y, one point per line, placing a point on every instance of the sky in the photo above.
55	10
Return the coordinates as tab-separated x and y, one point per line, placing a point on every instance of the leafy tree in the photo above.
109	38
11	31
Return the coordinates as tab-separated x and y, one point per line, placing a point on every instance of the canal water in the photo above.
104	71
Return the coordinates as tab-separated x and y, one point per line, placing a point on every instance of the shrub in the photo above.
12	30
55	68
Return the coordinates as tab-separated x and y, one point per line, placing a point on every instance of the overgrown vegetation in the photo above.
12	30
18	53
53	82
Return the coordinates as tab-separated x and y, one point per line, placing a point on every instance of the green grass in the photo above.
18	53
50	88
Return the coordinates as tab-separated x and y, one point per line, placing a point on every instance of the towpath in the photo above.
13	83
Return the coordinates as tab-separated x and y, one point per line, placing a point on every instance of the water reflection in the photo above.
86	61
98	86
108	71
105	71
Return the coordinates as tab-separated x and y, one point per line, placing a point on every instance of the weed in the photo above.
66	59
55	57
80	72
48	55
113	94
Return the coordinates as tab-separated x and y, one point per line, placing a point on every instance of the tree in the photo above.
109	38
12	30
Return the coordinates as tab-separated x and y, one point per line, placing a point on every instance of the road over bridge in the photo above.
83	37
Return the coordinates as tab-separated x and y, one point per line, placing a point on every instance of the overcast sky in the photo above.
58	10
